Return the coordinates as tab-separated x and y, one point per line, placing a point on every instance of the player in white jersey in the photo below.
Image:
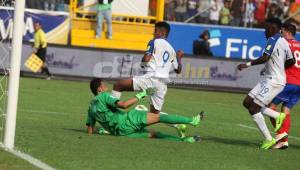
277	56
159	60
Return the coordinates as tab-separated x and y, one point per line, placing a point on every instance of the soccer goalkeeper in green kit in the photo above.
104	109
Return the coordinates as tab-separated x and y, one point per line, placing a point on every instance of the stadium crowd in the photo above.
246	13
250	13
48	5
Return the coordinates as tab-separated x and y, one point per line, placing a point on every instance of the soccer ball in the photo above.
141	108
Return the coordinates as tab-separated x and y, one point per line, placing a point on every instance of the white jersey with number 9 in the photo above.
163	59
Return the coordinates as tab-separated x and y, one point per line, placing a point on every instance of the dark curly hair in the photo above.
164	25
94	84
290	28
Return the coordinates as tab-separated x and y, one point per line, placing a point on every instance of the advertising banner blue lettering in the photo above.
55	24
229	42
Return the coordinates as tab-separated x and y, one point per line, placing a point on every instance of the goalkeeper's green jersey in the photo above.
103	109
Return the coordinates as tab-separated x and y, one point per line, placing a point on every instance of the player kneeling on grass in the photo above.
104	109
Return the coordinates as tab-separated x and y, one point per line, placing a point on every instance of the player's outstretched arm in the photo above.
127	103
146	57
179	57
258	61
145	60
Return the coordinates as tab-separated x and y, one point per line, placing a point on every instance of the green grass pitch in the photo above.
51	127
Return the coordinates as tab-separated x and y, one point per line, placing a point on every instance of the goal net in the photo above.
5	47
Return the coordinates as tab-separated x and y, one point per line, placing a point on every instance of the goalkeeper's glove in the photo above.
141	95
145	93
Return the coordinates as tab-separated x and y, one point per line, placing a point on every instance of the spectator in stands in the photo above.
7	3
60	5
249	13
67	5
34	4
169	12
181	10
204	7
201	45
40	47
236	11
104	11
152	7
192	10
225	13
49	5
274	11
29	4
294	8
80	3
214	11
238	15
286	7
260	12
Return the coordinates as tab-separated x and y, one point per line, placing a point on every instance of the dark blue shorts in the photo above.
289	96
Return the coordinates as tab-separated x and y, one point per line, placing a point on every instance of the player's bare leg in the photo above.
153	110
120	86
247	101
152	118
123	85
273	106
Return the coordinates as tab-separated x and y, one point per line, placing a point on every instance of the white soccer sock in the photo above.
261	124
269	112
116	94
163	113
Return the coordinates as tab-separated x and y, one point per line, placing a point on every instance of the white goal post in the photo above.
14	75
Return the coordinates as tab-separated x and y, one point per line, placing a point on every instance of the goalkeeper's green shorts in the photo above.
135	121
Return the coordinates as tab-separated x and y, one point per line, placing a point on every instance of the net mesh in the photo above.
5	46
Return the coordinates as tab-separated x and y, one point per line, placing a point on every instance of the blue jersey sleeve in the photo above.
270	46
150	47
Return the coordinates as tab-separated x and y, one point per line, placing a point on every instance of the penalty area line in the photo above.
253	128
28	158
45	112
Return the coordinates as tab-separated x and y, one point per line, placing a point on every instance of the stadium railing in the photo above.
129	32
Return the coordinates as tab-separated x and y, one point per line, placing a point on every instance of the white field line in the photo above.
253	128
42	111
28	158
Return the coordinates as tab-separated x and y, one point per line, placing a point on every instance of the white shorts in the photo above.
143	83
265	91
